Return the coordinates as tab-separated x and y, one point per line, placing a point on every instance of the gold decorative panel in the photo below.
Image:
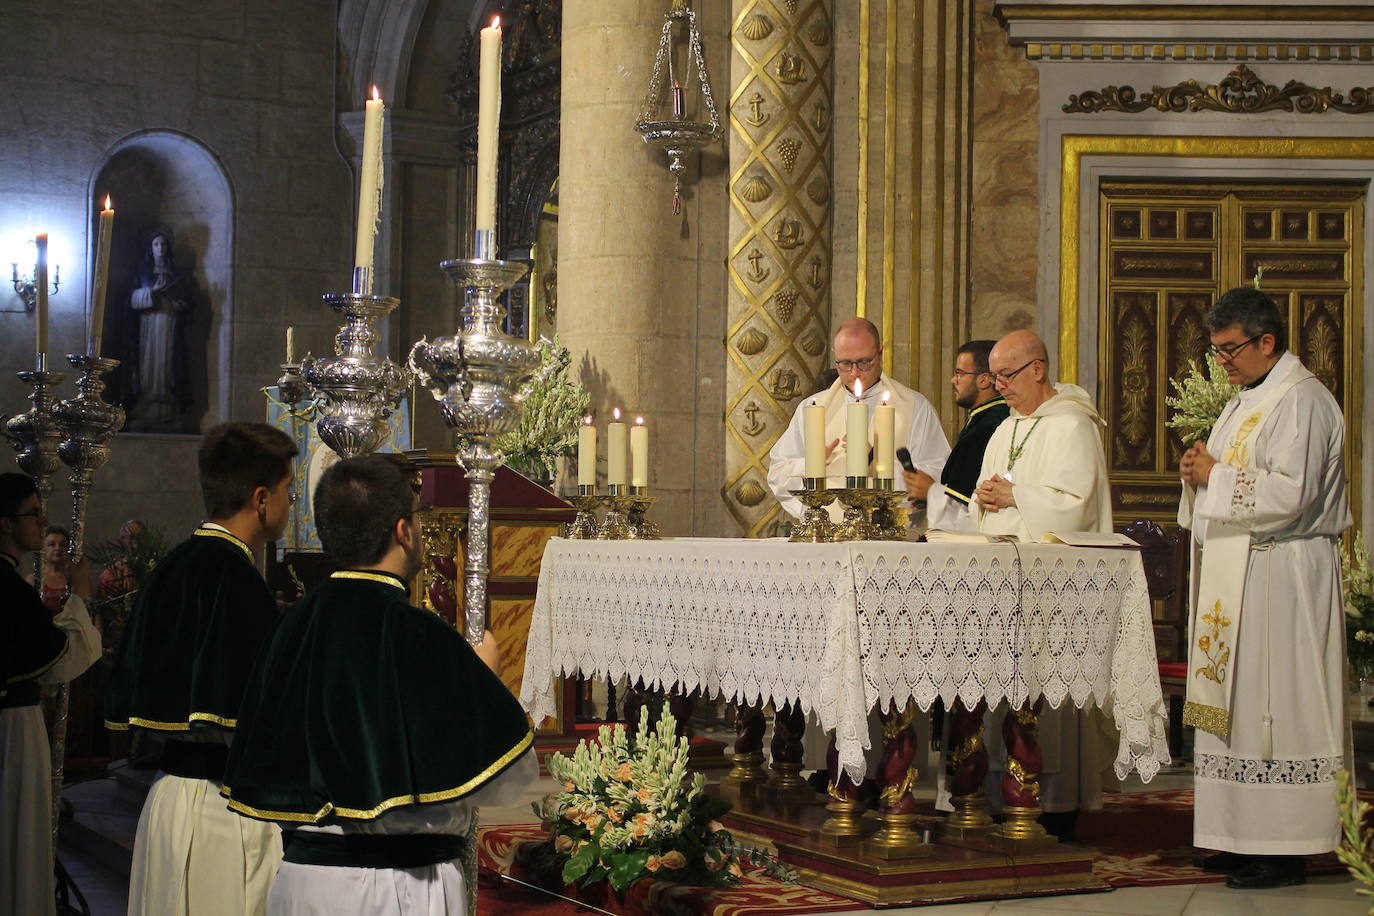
780	254
1167	252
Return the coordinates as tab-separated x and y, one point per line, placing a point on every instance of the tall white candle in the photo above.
615	451
488	125
290	344
813	433
370	187
40	279
95	329
639	454
586	453
884	438
856	435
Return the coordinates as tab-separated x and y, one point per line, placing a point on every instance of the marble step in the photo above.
102	826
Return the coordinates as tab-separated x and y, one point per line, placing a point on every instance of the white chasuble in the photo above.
1059	483
1268	788
918	430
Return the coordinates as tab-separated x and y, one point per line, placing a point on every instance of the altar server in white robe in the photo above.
858	351
36	649
1265	499
1044	470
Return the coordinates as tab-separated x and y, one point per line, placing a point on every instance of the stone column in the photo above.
641	292
778	338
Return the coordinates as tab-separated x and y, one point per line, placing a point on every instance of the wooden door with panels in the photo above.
1167	250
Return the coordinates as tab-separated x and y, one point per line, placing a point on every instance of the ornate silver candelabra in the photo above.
35	434
85	423
480	377
353	390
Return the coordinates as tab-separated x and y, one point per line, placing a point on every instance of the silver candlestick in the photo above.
480	377
35	435
86	423
354	391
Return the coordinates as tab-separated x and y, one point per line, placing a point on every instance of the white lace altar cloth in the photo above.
840	628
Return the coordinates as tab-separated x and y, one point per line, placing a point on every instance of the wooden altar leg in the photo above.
747	773
789	724
844	826
636	698
610	700
896	837
966	767
1021	832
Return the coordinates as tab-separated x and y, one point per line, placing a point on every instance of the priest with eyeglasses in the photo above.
858	351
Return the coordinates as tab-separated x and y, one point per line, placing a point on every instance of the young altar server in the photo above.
1266	501
36	649
198	624
370	729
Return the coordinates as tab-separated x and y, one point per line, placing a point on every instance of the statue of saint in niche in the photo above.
158	385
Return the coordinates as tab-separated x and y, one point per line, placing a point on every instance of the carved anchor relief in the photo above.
817	273
818	116
757	272
754	427
757	116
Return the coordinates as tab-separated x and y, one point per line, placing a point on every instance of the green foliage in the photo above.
1198	400
1356	850
1357	587
125	567
552	411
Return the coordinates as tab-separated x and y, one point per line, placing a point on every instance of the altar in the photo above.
838	629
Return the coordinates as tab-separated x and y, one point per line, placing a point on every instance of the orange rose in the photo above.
645	796
674	859
735	870
562	843
624	773
616	815
592	822
654	863
568	785
714	862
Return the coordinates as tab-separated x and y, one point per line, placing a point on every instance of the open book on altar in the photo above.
1089	539
942	536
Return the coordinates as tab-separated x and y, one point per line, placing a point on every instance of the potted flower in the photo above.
1357	587
1199	400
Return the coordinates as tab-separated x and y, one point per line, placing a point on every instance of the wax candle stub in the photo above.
616	447
639	454
586	453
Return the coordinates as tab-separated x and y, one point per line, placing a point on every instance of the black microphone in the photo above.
904	459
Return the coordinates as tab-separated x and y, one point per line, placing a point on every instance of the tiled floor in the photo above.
107	893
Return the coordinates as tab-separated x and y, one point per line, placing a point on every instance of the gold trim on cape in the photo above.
172	726
384	578
466	788
226	536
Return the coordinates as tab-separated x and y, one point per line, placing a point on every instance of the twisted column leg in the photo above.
789	724
844	826
896	837
966	767
747	773
1021	781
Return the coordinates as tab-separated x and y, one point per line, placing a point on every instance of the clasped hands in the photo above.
994	494
1196	465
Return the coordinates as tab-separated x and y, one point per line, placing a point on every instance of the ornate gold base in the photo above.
1021	831
896	839
788	787
584	526
815	527
614	526
970	812
747	775
844	827
856	525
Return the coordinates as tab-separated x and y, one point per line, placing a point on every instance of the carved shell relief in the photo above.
819	33
757	27
812	343
750	493
755	189
818	189
751	341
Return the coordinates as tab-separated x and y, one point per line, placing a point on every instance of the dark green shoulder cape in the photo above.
362	703
198	625
31	643
960	477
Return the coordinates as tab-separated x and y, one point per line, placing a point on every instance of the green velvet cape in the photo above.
29	641
363	702
198	625
960	477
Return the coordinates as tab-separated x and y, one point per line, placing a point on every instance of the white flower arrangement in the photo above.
1199	400
552	411
1357	588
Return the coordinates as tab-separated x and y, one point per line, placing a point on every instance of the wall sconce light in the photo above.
676	134
25	283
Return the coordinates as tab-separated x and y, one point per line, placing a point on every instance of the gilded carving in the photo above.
1164	263
820	115
788	147
755	189
818	190
788	233
784	301
757	27
791	6
791	70
752	426
1241	92
812	343
1322	353
816	279
750	493
785	384
757	272
757	116
1298	266
1135	383
1134	498
819	33
751	342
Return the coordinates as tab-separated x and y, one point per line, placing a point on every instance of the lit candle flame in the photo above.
615	412
587	420
887	395
496	22
858	388
639	421
376	95
107	202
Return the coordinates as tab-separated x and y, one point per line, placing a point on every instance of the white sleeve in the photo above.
947	513
83	643
926	439
786	464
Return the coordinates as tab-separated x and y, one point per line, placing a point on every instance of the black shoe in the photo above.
1223	862
1269	871
1061	824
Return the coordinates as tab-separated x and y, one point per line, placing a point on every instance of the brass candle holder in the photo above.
816	526
857	499
615	526
886	520
583	527
641	529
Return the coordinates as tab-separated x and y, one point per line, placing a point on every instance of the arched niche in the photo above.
169	179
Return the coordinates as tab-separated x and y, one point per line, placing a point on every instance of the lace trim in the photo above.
1243	496
1309	771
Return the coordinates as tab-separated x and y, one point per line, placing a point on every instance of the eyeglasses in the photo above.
1228	351
32	513
1004	378
849	365
960	373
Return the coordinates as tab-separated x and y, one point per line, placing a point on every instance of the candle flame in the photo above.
616	413
639	421
887	396
587	420
376	95
858	388
496	22
107	202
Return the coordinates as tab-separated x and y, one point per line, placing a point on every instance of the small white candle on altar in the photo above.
40	279
100	280
813	433
369	187
488	125
639	454
290	344
884	437
615	451
586	453
856	435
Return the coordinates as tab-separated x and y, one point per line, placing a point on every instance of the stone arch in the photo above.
168	178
